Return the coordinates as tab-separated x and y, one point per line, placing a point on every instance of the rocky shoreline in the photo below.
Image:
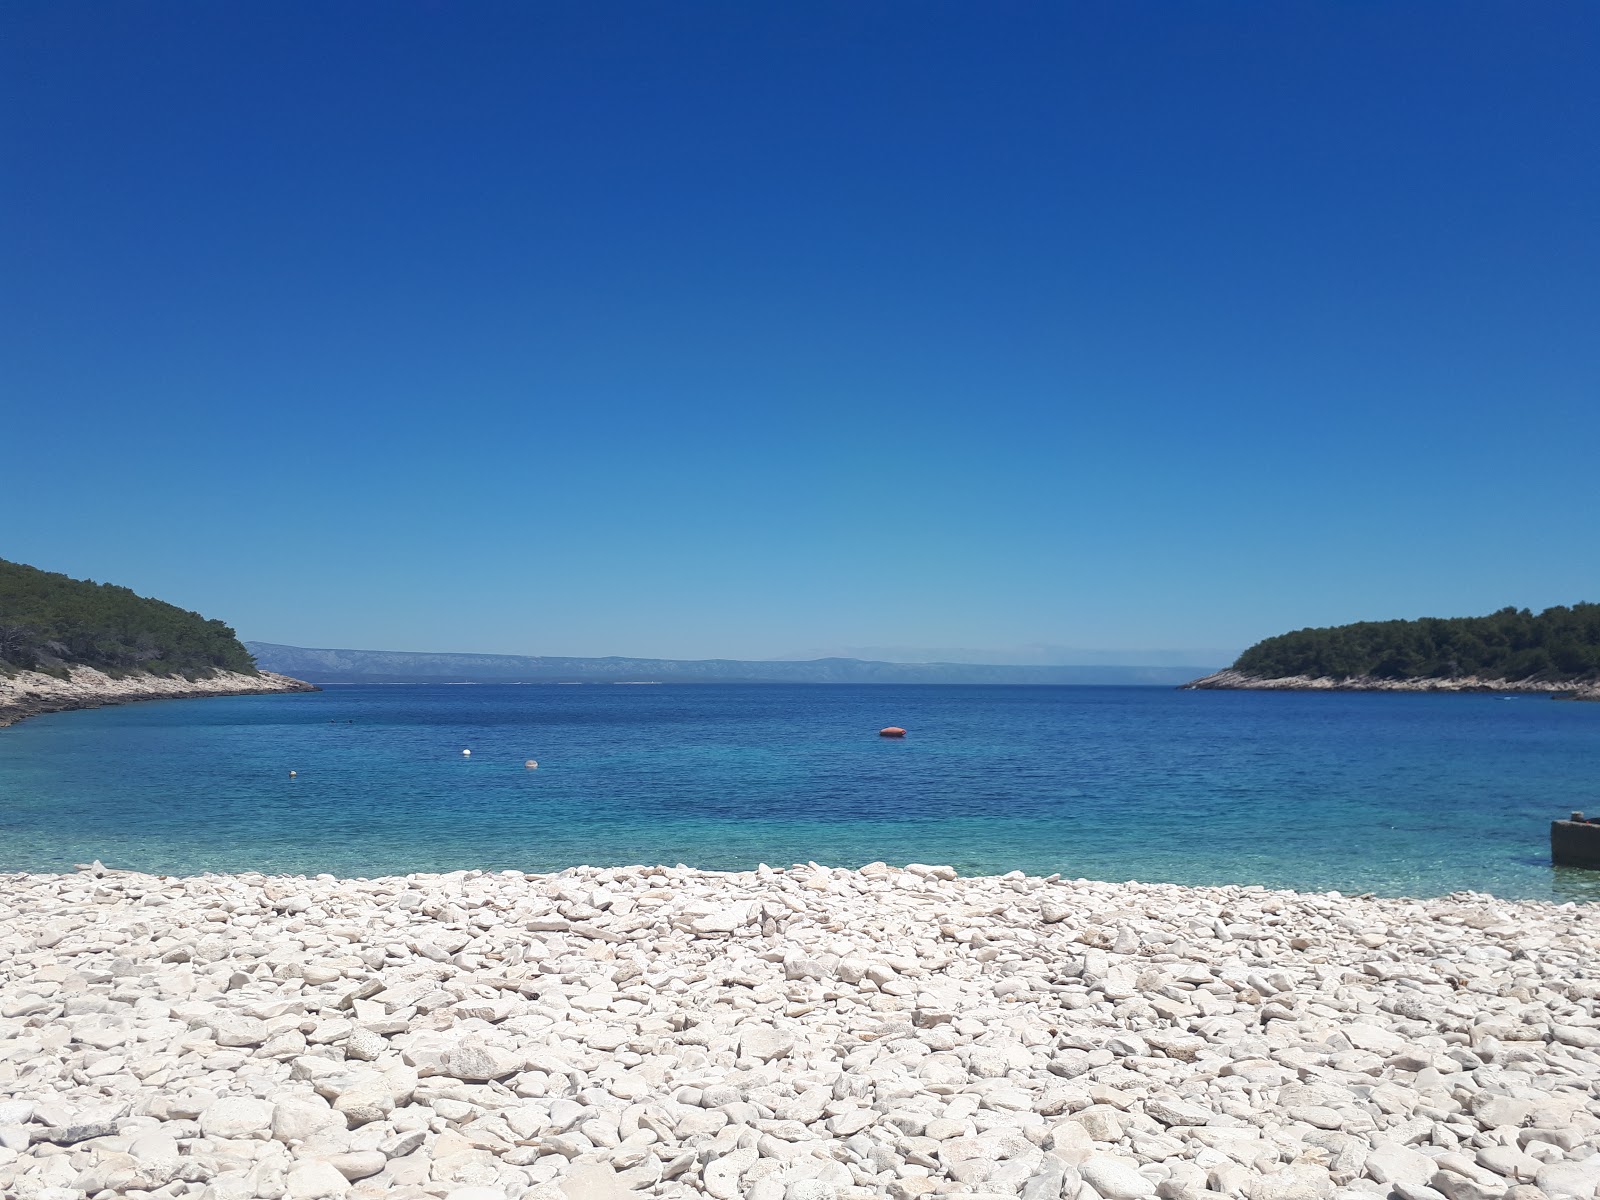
1237	680
799	1034
30	693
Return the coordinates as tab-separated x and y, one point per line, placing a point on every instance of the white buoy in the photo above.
531	765
292	774
466	752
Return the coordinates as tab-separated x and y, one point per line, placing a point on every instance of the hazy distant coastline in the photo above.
331	666
1034	654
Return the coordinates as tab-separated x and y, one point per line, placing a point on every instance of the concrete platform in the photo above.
1575	844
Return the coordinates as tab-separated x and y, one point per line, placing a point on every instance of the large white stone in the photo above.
763	1042
1459	1187
237	1029
371	1100
357	1164
723	920
1298	1181
1177	1112
480	1064
1586	1037
237	1117
722	1174
1390	1163
298	1117
1115	1178
1569	1180
315	1180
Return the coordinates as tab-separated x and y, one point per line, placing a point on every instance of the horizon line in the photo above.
719	658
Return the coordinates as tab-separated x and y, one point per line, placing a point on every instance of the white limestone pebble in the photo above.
296	1118
315	1180
1115	1177
236	1117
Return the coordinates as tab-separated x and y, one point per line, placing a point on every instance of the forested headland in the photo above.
1558	645
50	623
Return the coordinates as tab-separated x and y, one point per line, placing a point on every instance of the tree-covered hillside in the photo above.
50	622
1558	645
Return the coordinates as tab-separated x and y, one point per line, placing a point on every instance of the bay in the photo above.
1394	794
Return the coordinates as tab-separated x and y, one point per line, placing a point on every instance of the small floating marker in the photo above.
468	753
892	731
292	774
531	765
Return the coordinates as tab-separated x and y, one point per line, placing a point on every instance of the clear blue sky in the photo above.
731	329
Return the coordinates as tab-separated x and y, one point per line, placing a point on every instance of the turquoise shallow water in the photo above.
1395	794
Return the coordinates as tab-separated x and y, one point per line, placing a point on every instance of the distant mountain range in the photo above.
397	666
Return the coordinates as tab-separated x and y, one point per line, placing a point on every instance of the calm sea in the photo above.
1410	795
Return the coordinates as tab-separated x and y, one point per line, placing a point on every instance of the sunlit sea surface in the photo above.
1394	794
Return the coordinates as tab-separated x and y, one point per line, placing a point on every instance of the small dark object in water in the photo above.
892	731
1575	843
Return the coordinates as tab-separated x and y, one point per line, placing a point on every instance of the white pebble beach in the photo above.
795	1034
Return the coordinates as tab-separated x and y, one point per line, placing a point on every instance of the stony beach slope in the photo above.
1231	680
788	1035
29	693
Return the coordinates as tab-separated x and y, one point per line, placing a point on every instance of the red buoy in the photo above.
892	731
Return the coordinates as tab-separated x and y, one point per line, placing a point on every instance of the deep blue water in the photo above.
1396	794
